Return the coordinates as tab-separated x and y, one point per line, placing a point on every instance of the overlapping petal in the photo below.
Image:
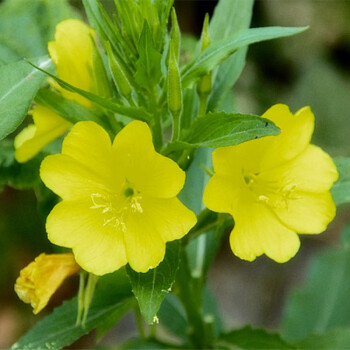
98	247
313	164
296	134
48	125
223	192
258	231
150	172
307	212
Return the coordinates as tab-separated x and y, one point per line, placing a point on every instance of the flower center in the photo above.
269	192
115	207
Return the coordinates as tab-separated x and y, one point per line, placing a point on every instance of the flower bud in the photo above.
119	77
41	278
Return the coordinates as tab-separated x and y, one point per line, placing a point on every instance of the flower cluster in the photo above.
119	197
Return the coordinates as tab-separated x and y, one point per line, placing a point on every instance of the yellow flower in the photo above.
274	187
42	277
119	200
72	53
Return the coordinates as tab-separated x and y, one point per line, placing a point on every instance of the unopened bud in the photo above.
118	74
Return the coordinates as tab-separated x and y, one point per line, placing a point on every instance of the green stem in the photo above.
139	322
176	126
203	101
191	301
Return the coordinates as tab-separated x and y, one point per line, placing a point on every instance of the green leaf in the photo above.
151	287
220	129
34	23
138	113
341	189
148	67
68	109
173	317
19	84
230	17
112	296
323	303
248	338
216	53
338	339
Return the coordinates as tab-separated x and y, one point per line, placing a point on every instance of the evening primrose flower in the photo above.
119	200
274	187
41	278
71	51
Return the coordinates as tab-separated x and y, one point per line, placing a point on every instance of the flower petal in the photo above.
70	179
72	53
98	247
296	132
47	127
307	212
89	144
150	172
157	221
144	246
222	192
312	171
258	231
171	219
245	156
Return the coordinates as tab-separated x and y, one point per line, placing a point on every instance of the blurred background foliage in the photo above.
313	69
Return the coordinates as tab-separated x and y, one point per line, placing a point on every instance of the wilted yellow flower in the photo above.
119	200
274	187
72	53
42	277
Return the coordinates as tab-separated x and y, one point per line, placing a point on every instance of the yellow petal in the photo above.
70	179
245	156
258	231
144	246
72	53
171	219
307	212
312	171
40	279
296	132
98	246
222	192
89	144
48	126
147	170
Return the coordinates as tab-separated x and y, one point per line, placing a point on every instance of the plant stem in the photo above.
192	302
139	321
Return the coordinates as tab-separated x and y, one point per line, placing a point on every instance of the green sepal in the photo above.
148	65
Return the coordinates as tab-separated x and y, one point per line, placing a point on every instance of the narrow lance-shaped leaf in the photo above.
230	17
133	112
220	129
151	287
19	84
221	50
